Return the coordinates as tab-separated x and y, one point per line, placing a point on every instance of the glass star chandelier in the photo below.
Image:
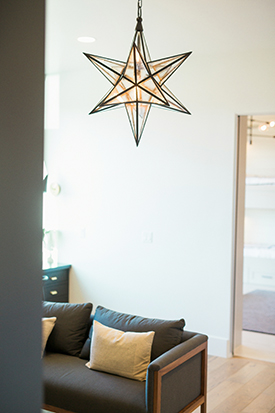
139	82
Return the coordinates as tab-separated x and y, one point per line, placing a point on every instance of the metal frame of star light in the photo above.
139	82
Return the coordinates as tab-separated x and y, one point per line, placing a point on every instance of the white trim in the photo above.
219	347
259	180
238	236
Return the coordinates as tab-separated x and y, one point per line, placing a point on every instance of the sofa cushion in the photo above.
126	354
69	385
71	327
47	326
85	352
168	333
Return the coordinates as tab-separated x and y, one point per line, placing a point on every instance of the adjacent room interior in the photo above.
258	335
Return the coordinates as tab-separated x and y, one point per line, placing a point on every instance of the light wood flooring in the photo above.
240	385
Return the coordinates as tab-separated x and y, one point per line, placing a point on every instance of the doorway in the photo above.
254	324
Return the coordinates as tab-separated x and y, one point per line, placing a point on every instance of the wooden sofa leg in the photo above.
204	362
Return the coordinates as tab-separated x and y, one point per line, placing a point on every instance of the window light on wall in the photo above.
52	101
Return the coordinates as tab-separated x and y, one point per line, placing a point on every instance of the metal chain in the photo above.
139	7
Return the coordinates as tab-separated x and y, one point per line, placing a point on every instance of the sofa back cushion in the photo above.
168	333
71	326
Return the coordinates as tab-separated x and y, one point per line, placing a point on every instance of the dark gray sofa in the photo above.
176	376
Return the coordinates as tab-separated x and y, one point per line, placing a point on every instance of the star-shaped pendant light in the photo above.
139	82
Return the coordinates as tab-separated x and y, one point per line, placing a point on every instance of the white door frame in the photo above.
238	231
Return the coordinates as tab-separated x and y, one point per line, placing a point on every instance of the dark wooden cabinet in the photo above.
56	283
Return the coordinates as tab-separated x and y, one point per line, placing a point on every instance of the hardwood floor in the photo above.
240	385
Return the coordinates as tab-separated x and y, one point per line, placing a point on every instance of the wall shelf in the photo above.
260	192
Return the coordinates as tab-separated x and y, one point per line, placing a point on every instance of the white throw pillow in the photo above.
47	327
114	351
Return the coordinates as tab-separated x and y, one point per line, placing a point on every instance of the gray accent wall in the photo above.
21	160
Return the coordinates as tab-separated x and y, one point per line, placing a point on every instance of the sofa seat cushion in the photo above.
68	384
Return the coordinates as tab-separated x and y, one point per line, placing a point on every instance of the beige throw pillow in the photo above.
126	354
47	326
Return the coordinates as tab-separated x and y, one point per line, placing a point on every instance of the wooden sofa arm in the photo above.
176	381
54	409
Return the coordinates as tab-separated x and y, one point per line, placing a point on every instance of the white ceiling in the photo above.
171	27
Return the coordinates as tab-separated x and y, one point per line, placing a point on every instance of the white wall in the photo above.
260	199
179	183
259	263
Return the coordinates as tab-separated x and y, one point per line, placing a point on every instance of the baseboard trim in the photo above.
219	347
